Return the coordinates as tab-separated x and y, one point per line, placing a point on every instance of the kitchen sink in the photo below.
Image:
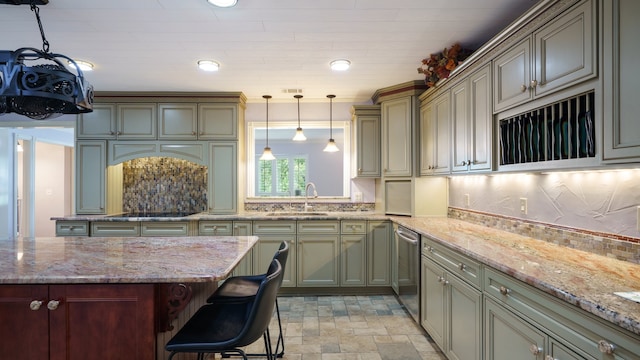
297	213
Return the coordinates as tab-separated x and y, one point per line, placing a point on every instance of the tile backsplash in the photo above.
163	184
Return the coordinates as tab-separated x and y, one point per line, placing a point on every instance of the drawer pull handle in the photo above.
462	266
504	290
35	305
53	304
429	249
606	347
535	349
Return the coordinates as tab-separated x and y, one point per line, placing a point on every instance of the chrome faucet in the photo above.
307	207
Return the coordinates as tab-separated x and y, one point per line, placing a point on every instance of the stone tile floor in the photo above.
349	328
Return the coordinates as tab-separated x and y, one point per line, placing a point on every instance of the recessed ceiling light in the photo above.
223	3
208	65
83	65
340	65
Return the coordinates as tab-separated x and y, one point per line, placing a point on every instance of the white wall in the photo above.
51	188
603	201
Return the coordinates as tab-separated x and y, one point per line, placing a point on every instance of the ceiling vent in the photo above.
292	91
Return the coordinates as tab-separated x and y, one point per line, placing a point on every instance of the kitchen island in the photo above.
120	297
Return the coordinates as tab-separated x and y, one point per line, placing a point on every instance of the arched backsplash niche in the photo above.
161	184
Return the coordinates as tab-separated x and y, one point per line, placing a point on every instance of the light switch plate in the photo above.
467	202
638	218
523	206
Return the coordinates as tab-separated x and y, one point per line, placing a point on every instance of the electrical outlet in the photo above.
467	202
638	218
523	206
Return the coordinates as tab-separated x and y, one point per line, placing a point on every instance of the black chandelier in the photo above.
37	83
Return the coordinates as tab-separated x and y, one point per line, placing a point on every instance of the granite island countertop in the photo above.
580	278
84	260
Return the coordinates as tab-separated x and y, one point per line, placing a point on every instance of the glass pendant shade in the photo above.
299	136
331	146
267	154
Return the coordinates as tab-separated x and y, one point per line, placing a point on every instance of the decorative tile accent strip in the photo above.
163	184
297	206
615	246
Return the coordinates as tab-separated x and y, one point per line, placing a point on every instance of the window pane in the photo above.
283	175
266	179
299	173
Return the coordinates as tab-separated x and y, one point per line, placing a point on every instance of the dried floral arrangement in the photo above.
439	66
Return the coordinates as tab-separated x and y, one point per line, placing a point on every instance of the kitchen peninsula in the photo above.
75	297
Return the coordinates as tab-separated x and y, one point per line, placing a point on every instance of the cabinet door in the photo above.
512	76
91	180
243	228
432	314
177	121
353	260
460	123
78	323
368	146
621	106
397	145
223	175
379	253
427	139
263	253
98	124
318	260
137	121
217	121
481	120
507	337
24	329
464	320
442	121
565	49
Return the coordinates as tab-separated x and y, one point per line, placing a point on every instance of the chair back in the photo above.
282	254
261	311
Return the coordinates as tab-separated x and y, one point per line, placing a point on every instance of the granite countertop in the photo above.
69	260
580	278
275	215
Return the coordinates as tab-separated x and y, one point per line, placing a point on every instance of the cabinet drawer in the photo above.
581	330
72	228
318	227
458	264
177	228
115	228
274	227
353	227
215	228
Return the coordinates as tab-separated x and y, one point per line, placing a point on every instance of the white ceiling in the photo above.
263	46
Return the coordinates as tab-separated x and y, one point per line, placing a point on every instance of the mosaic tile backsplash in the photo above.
163	184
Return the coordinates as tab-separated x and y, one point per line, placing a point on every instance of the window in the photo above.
298	163
283	176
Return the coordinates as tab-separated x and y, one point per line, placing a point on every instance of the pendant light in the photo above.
267	154
331	146
299	134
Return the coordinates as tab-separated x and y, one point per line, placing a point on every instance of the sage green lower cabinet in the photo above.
379	253
271	233
215	228
245	267
116	228
353	256
318	253
72	228
451	312
169	228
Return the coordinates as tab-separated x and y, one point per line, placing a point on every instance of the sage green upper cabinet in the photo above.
366	144
560	54
472	122
223	177
621	80
91	165
435	134
98	124
218	121
397	130
177	121
137	121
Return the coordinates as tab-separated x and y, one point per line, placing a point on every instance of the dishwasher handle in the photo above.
413	240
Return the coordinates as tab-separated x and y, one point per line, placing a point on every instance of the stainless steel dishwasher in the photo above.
406	274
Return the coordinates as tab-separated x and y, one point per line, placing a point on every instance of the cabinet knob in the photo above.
429	249
112	132
462	266
71	228
606	347
535	349
359	170
119	133
549	357
193	133
35	305
504	290
53	304
534	83
523	88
